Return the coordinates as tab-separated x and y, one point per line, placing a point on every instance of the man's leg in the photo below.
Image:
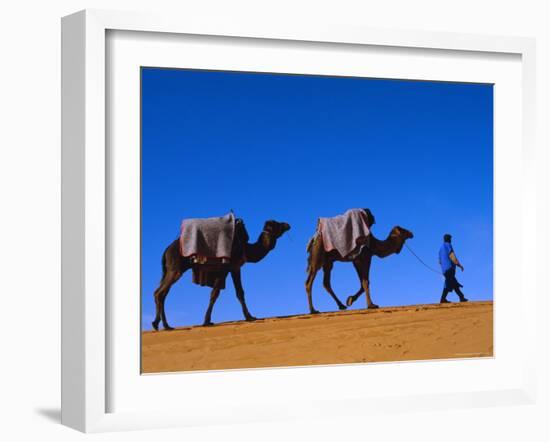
453	284
460	294
446	286
444	296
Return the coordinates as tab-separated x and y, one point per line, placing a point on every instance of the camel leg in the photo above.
309	286
362	267
365	283
327	269
161	292
236	276
213	297
351	299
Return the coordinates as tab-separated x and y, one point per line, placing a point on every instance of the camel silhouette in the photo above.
318	259
174	265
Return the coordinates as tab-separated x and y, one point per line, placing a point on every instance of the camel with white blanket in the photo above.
353	243
175	262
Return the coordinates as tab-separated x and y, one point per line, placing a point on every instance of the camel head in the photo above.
275	229
401	235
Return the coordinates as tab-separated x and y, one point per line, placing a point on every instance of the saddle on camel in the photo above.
211	244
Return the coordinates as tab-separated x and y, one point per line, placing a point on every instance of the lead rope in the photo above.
426	265
289	237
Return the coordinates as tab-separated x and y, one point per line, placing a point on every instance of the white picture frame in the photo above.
86	206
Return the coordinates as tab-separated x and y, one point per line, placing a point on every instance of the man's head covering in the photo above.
447	237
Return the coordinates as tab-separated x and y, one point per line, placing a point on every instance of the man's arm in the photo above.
455	261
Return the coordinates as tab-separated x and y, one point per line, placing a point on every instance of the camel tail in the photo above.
308	250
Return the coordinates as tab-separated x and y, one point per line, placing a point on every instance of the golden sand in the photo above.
431	331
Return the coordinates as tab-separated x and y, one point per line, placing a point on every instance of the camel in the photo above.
318	259
174	265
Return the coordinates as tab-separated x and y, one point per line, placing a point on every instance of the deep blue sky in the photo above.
294	148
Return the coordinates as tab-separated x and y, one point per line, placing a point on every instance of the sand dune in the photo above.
430	331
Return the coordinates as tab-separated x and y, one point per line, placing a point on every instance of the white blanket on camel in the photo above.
207	237
345	233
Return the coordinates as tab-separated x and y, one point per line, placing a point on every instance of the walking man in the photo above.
449	262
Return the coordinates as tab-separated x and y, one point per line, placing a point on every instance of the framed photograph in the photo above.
285	219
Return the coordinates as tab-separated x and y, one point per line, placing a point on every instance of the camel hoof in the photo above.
155	325
373	306
314	312
251	319
168	328
342	307
208	324
349	301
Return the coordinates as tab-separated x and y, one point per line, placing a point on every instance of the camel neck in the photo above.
386	247
257	251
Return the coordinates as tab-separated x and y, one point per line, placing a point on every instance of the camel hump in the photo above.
241	234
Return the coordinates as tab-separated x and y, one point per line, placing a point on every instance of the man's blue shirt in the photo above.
444	259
